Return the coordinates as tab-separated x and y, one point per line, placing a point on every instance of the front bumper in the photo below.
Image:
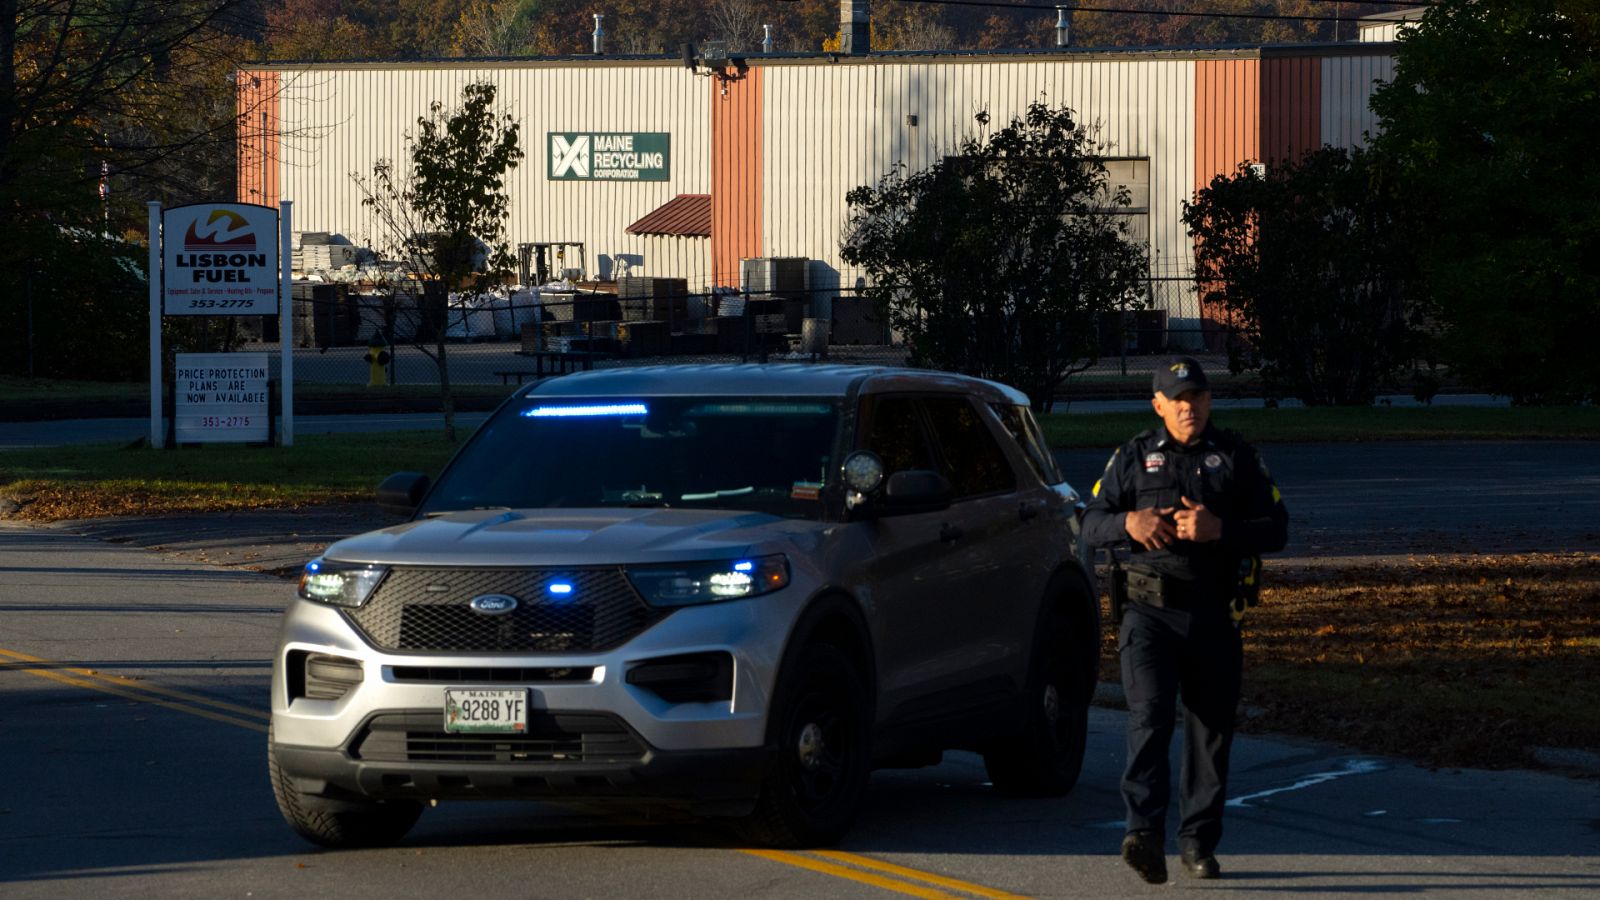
706	782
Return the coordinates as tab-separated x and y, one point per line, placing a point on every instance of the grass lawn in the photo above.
83	482
1451	661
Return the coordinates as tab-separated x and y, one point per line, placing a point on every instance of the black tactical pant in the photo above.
1166	653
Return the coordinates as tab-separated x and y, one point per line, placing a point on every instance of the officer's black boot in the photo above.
1144	853
1200	864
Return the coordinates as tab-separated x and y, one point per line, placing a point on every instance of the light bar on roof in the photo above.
567	412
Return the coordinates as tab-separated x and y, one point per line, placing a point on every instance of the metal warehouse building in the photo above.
765	147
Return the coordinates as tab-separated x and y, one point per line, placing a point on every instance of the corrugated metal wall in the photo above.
1347	86
830	128
341	120
737	166
1227	96
259	150
1291	108
780	145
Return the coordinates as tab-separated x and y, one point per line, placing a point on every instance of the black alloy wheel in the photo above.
819	777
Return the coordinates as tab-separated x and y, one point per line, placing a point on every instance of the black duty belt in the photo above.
1169	592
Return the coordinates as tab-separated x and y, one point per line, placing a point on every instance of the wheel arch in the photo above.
1070	591
834	617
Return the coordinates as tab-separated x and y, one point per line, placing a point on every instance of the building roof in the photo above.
686	215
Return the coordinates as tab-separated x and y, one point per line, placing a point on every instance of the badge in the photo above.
1213	460
1154	461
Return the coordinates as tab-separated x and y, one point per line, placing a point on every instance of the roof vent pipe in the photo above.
1061	26
766	39
599	35
855	34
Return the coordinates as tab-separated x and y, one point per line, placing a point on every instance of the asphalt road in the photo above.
133	700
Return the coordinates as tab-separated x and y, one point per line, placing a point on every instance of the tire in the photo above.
822	726
340	824
1046	757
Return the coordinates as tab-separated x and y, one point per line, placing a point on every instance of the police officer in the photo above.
1196	504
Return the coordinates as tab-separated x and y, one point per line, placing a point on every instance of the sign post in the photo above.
157	433
219	259
286	325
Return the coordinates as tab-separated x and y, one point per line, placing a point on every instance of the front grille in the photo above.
427	610
551	738
472	674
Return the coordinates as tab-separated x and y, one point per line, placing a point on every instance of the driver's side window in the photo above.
892	428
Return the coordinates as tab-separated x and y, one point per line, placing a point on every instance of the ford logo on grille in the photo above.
493	604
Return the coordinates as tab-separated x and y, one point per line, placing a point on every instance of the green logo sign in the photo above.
610	156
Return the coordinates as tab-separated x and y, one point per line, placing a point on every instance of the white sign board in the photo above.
220	398
220	259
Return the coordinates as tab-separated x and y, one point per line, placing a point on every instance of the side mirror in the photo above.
916	491
402	492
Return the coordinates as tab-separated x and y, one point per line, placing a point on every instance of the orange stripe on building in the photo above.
736	172
260	137
1227	109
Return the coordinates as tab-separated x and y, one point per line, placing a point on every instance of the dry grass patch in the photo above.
1447	660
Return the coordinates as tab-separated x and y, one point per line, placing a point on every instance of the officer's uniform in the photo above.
1178	635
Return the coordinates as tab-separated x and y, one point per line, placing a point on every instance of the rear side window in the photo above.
973	460
1019	421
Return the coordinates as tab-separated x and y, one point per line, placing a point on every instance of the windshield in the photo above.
759	454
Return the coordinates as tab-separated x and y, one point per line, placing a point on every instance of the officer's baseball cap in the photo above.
1178	374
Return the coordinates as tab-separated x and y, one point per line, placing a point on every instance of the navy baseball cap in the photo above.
1178	374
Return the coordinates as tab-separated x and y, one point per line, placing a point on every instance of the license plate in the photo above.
495	712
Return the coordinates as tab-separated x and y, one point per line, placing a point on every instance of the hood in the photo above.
567	537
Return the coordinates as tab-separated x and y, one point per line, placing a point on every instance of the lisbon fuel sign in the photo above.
220	259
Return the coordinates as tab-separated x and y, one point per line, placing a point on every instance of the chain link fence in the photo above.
507	338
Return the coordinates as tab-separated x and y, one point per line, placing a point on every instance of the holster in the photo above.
1118	589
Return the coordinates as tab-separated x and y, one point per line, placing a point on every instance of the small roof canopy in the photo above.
686	215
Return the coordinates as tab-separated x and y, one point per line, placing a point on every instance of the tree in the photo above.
998	261
445	215
1491	119
104	104
1311	260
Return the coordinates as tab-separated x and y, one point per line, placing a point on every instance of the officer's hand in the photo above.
1196	523
1151	527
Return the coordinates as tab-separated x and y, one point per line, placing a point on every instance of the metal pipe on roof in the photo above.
1062	27
599	36
766	39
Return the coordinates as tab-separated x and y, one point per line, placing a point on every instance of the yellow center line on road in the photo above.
867	862
826	868
134	690
904	882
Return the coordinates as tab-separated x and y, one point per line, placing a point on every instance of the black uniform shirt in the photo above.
1219	470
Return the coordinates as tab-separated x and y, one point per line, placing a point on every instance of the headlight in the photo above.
687	584
339	584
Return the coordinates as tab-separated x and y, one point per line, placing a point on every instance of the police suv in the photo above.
735	589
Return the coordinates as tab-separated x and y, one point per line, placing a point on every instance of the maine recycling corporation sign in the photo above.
220	259
609	155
